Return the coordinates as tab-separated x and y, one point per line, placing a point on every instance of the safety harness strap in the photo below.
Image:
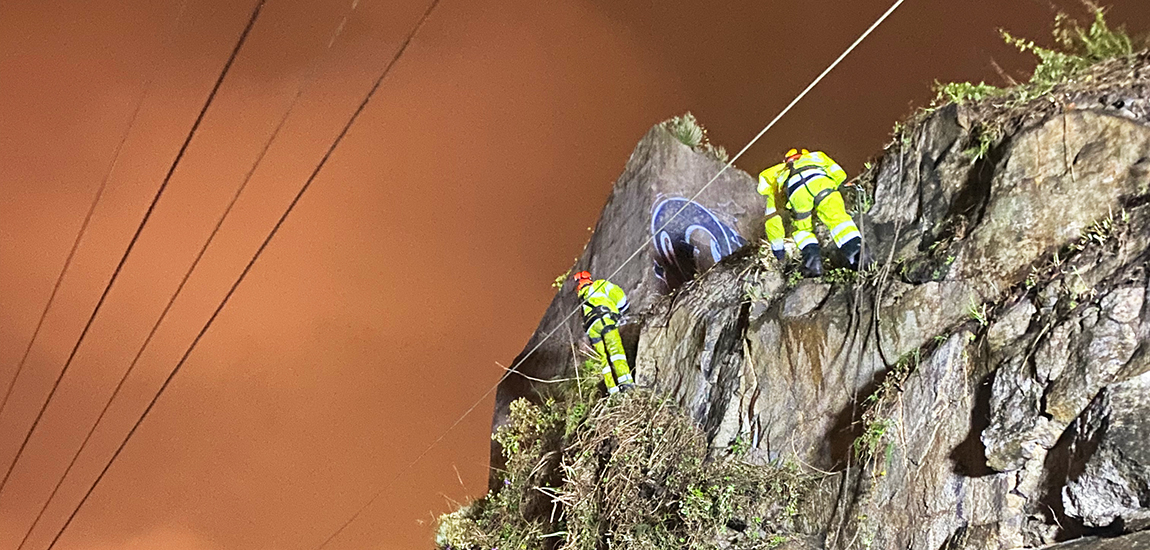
818	199
598	313
799	177
824	194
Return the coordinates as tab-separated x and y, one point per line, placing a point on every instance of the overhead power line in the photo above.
75	245
514	368
305	82
279	223
87	218
135	238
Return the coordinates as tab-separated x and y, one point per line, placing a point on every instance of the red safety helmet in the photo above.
582	279
794	154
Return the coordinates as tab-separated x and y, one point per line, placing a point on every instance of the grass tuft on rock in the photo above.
692	134
1077	48
1088	61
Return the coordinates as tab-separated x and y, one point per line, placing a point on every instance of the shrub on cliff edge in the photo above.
630	471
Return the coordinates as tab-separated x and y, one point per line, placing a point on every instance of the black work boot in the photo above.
852	251
812	261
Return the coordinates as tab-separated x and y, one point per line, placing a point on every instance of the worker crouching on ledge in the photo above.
603	303
808	183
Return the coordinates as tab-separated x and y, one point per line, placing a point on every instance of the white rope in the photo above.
514	368
712	180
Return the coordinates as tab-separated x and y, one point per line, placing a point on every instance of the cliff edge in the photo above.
985	384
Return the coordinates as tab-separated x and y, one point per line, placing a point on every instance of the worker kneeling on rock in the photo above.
808	183
603	303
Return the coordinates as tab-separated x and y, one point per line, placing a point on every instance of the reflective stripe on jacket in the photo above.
602	295
796	184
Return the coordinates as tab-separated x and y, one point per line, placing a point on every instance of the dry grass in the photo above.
633	474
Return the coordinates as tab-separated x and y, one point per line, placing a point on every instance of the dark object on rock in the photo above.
688	238
660	176
852	253
812	261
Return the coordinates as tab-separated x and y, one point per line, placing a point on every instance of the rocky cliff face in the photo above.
991	370
984	384
659	181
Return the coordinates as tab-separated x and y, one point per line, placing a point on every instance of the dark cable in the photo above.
75	246
132	243
403	47
246	270
139	104
83	228
304	84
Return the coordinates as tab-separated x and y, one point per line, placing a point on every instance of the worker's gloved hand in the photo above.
780	254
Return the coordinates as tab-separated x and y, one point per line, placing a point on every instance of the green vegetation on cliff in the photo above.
1085	57
630	471
938	452
688	130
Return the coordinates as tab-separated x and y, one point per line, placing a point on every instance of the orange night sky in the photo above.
422	253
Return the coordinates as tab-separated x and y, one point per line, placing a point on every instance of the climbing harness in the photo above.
600	313
801	177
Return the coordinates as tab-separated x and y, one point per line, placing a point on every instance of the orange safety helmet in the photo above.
794	154
582	279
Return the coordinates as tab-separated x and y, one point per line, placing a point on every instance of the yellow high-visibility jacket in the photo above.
796	184
602	304
602	293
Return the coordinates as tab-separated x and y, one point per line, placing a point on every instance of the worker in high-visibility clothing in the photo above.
807	183
603	303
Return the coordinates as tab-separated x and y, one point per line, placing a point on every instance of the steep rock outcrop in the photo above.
984	384
654	235
658	182
948	387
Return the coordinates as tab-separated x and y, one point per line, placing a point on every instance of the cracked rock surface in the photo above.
985	386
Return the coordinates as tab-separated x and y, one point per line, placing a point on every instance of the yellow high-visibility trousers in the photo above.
831	210
604	335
